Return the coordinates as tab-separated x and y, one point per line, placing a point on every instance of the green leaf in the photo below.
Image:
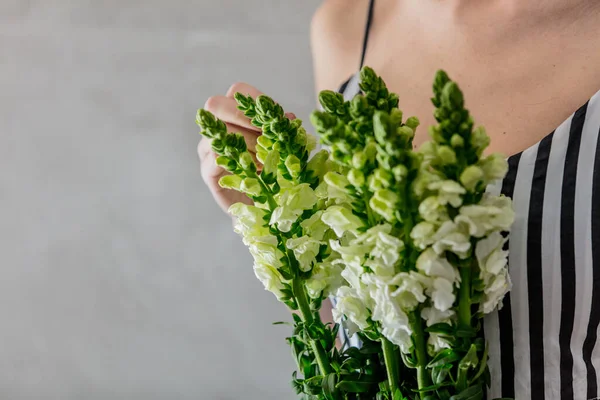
328	385
439	374
398	395
482	365
445	356
350	386
470	360
466	333
440	328
472	393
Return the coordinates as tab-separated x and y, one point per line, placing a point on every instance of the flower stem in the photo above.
464	297
420	350
392	365
307	317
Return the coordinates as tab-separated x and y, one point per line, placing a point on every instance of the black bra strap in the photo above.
367	29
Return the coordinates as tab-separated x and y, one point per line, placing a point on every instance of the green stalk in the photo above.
307	317
464	297
420	350
392	366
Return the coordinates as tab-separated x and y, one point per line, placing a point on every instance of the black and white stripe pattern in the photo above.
543	344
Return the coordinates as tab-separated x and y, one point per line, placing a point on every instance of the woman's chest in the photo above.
519	88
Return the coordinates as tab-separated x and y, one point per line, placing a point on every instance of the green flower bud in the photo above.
447	155
413	123
406	133
452	96
246	162
436	134
457	141
396	116
384	203
311	141
356	177
293	165
400	172
494	167
479	140
429	151
359	159
270	163
381	126
318	163
323	121
370	151
301	138
251	186
264	142
332	102
226	163
230	182
381	179
471	177
264	105
336	180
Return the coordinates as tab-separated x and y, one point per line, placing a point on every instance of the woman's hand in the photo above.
225	108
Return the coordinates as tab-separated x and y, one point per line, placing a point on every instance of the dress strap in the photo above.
367	29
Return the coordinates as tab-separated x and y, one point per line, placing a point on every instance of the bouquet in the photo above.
407	241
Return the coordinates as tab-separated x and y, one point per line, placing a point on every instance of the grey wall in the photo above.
119	277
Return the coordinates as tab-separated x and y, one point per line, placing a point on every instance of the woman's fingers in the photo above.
250	136
243	88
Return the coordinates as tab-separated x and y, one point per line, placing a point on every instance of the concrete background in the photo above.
119	277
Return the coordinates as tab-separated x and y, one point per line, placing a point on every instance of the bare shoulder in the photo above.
337	29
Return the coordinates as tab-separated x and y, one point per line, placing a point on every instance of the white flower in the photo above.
435	343
341	219
432	210
314	226
270	278
399	337
333	187
433	265
493	264
491	214
496	292
387	310
490	255
452	237
383	248
351	306
393	319
410	291
494	167
326	279
449	192
292	202
422	234
433	316
305	250
442	294
264	250
249	220
353	273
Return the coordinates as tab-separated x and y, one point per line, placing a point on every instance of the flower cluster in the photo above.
422	243
287	234
408	242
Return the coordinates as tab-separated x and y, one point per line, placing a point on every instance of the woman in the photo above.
530	70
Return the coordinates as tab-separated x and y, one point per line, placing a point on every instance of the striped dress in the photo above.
544	341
